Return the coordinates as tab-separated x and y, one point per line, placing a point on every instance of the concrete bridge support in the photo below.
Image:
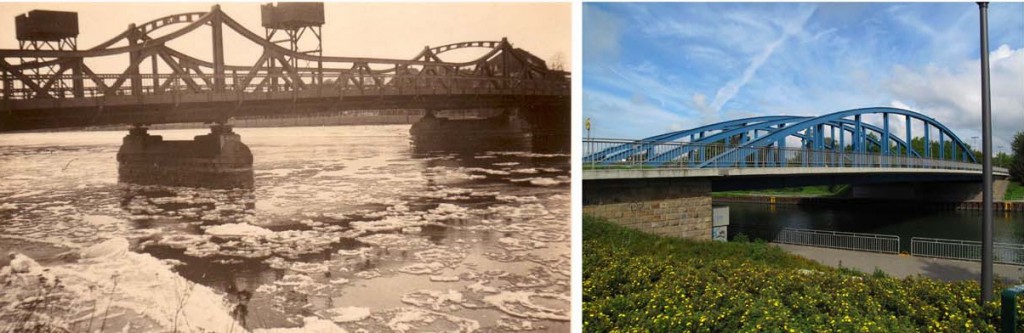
551	126
536	127
215	160
662	206
506	130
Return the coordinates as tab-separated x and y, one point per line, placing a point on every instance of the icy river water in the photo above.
346	230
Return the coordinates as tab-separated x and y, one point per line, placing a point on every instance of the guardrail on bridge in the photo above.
610	154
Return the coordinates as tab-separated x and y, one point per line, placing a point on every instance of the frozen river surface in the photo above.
345	230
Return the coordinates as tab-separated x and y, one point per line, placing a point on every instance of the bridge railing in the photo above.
333	83
840	240
609	153
1004	253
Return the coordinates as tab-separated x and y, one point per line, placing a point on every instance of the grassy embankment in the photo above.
638	282
1014	192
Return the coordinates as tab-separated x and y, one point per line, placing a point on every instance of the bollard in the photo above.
1009	300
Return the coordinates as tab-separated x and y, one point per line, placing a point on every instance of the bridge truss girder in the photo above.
735	141
502	68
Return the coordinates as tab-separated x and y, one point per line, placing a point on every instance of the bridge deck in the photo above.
600	174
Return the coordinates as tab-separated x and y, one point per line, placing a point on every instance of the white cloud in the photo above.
727	92
953	95
623	118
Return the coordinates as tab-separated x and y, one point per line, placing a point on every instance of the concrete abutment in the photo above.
538	128
668	207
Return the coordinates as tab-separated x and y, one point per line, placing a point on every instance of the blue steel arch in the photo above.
810	130
626	150
768	127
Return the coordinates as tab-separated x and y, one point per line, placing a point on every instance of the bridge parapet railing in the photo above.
1004	253
611	153
64	85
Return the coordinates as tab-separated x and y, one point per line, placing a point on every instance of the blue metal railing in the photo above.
840	240
612	153
1003	253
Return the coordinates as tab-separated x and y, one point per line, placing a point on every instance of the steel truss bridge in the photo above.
159	84
837	140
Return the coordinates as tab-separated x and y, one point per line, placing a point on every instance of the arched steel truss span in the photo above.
843	138
501	69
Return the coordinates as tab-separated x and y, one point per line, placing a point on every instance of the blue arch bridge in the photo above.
886	152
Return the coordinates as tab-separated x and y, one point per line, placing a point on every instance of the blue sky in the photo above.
649	68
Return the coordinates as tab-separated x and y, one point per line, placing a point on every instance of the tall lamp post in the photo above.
986	143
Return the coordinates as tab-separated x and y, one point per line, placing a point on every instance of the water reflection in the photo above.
891	218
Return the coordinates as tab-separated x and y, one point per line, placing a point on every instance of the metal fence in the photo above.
1004	253
610	153
840	240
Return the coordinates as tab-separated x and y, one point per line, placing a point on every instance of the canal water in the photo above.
346	227
890	218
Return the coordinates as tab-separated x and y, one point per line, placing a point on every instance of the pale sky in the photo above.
381	30
651	68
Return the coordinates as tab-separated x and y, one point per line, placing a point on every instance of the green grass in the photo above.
643	283
806	191
1014	192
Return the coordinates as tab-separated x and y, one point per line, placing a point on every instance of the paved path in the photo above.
903	265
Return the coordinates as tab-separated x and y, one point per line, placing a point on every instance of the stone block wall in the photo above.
668	207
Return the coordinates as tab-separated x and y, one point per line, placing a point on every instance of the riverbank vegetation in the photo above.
1014	192
1016	162
640	282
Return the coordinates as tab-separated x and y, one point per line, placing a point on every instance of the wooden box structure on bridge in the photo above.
292	15
293	19
46	25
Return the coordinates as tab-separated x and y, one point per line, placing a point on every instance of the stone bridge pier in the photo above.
216	160
543	128
663	206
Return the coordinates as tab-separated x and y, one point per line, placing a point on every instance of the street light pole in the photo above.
986	143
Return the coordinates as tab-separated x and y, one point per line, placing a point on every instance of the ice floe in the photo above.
145	288
237	230
521	304
388	224
309	325
422	268
348	314
114	247
416	320
435	300
444	278
517	325
396	241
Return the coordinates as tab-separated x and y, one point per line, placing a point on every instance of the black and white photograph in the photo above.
285	167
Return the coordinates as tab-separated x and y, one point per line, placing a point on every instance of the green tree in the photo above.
1002	160
871	147
1017	165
